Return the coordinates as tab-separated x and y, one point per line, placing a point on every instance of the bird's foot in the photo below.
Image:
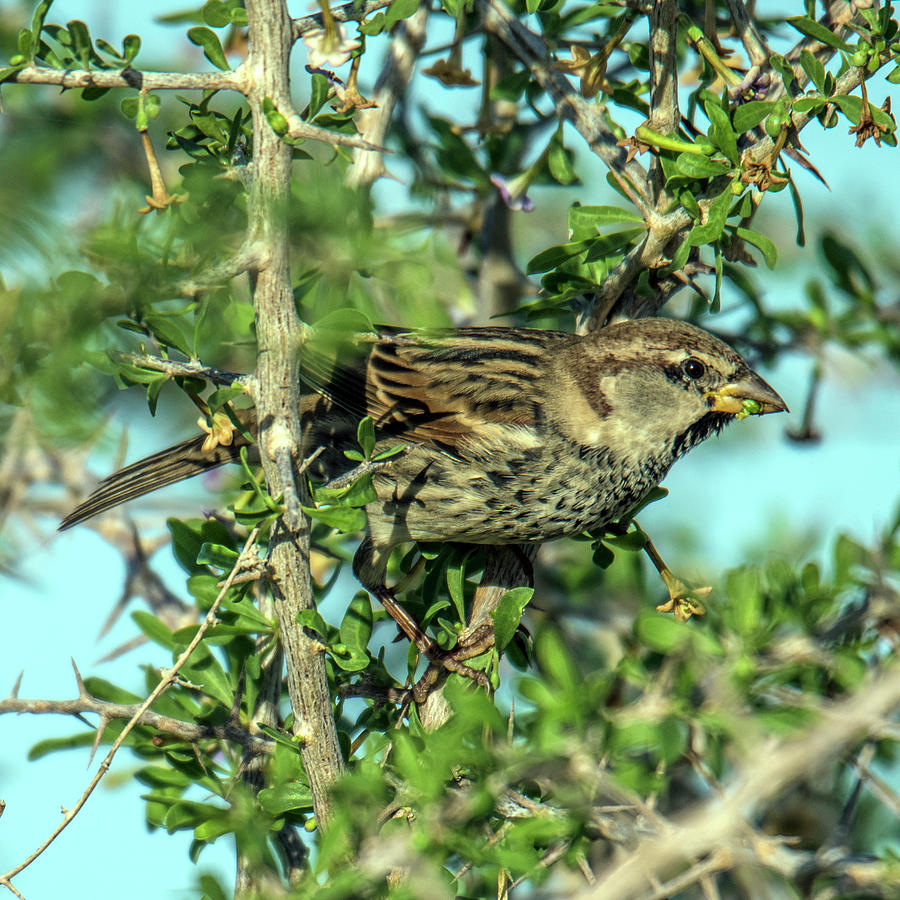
684	600
451	660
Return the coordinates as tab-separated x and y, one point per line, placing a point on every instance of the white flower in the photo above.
329	49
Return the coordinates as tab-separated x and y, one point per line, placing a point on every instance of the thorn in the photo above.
14	695
79	681
101	727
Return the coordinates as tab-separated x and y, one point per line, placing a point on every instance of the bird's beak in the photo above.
750	396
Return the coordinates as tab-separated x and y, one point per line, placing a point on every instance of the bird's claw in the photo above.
684	601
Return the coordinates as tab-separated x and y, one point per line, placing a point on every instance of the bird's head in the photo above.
657	387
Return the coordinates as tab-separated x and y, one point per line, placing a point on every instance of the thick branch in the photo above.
277	403
664	115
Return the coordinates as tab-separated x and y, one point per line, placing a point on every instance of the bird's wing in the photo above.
457	390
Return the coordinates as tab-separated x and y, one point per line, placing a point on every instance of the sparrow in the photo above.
511	435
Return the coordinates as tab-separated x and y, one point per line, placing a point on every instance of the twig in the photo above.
176	369
247	258
756	51
297	130
587	118
184	731
348	12
373	124
167	677
234	80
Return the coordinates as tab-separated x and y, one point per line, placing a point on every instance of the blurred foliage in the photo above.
600	719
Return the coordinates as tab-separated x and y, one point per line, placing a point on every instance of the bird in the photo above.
510	435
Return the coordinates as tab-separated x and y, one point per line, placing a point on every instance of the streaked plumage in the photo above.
513	434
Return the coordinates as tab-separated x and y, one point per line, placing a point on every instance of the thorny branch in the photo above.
167	678
766	771
85	702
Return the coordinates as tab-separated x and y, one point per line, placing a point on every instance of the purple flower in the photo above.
513	191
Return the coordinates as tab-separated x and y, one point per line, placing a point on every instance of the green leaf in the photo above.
508	615
661	632
720	131
157	631
609	244
216	14
81	43
762	243
131	45
559	161
217	555
167	333
822	34
694	166
365	436
456	576
749	115
212	48
716	302
585	221
716	215
356	626
814	69
312	619
341	518
553	256
809	104
631	540
205	670
287	797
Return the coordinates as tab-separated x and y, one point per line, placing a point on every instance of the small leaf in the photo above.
720	131
584	221
217	555
456	576
356	626
341	518
286	798
168	333
131	45
312	619
554	256
762	243
749	115
212	48
716	215
814	69
661	632
365	436
818	32
508	615
694	166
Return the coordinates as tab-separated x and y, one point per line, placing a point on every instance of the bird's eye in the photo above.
693	368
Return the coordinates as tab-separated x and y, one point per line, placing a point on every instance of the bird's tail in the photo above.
173	464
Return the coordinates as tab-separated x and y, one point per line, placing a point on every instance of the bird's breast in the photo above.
523	494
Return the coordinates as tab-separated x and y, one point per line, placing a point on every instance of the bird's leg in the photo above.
425	645
369	565
684	601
